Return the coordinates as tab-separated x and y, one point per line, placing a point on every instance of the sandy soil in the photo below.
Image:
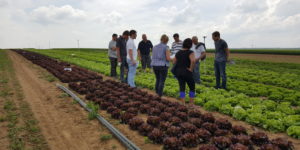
65	126
266	57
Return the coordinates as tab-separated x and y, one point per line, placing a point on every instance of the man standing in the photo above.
131	57
200	54
176	45
221	57
112	53
144	50
122	54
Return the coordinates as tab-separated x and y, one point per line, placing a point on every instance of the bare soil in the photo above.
63	123
266	57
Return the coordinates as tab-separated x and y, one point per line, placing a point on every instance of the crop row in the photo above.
169	123
277	117
238	80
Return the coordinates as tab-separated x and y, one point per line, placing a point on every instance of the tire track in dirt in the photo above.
65	126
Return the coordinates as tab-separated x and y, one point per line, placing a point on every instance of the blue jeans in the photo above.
196	73
131	73
220	71
123	66
161	73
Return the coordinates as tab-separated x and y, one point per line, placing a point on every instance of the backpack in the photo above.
201	44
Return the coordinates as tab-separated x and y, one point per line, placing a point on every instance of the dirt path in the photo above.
265	57
65	126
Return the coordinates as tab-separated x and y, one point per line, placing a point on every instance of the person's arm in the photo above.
151	46
131	56
227	54
226	51
192	59
118	51
130	52
168	55
139	51
203	55
139	54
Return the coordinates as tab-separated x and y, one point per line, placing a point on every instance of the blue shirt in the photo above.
221	47
145	47
159	57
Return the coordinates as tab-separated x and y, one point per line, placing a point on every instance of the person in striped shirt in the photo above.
176	45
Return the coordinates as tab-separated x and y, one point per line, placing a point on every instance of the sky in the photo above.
90	23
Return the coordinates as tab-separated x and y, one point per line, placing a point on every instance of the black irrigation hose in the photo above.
118	134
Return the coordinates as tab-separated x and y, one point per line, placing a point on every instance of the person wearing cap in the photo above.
112	53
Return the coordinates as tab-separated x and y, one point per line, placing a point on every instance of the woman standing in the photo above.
185	60
160	63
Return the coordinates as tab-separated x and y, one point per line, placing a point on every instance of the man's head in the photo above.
132	34
114	37
195	40
164	39
187	43
176	37
216	36
144	37
125	34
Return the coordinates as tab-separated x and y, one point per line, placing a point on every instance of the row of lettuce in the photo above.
252	81
269	114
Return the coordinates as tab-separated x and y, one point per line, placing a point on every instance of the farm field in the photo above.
262	116
275	109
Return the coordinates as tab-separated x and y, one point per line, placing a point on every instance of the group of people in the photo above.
184	55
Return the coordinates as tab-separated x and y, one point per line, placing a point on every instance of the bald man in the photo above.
144	48
200	54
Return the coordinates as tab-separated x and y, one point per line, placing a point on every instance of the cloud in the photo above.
3	3
249	6
286	8
52	14
265	23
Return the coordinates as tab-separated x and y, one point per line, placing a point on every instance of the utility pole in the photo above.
204	37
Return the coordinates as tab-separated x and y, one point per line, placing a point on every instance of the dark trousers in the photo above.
220	71
187	78
146	61
123	69
161	73
196	72
113	66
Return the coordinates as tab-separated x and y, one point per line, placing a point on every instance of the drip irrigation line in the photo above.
116	132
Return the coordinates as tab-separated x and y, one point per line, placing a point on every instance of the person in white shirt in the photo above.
132	55
200	54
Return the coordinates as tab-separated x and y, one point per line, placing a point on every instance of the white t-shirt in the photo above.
131	45
198	51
